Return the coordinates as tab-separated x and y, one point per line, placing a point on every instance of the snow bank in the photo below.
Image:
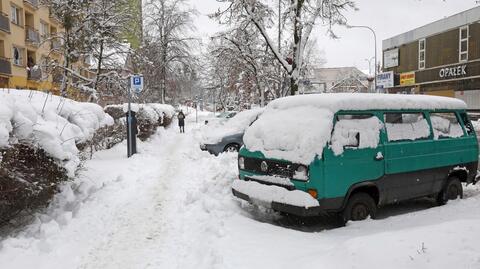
52	123
235	125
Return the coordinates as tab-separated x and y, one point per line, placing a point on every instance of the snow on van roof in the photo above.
368	101
297	128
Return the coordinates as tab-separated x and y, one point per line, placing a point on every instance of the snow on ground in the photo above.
171	207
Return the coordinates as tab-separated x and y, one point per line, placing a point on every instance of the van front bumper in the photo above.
294	202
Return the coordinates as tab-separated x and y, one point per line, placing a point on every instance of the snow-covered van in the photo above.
352	153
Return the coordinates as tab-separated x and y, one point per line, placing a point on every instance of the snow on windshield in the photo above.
235	125
296	134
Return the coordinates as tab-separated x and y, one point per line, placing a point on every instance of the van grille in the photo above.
275	168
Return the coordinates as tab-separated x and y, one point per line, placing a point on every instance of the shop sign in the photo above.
390	58
407	79
453	72
385	80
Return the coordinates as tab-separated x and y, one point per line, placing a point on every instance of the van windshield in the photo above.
295	134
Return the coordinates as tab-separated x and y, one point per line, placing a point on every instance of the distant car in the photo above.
229	136
222	117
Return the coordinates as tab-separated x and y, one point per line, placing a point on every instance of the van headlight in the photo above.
301	173
264	166
241	163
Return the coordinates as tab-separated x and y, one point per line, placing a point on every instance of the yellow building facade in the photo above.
25	44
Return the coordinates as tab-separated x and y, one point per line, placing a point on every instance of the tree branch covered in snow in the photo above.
300	18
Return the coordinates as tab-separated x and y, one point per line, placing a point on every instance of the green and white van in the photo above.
352	153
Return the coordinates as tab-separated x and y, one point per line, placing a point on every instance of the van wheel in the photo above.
359	207
452	191
231	148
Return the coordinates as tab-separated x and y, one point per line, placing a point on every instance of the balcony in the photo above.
32	3
56	45
34	73
32	35
5	66
4	22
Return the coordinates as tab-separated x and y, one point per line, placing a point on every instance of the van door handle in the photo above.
379	156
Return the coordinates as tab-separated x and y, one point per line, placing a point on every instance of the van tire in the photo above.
359	207
451	191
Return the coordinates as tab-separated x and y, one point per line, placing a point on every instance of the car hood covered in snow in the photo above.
234	126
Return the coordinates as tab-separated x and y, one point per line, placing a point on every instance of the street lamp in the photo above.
370	65
375	39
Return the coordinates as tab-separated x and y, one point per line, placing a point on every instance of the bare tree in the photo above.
167	44
299	18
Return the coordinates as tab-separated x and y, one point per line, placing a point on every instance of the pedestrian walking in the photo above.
181	121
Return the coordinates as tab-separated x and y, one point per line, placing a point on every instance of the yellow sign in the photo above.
407	79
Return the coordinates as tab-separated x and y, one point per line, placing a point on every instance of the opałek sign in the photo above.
453	72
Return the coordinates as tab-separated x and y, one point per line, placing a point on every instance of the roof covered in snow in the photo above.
367	101
335	74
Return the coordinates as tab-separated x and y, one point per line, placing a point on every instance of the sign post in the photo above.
136	86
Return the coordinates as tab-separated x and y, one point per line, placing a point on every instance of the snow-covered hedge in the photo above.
40	140
52	123
149	117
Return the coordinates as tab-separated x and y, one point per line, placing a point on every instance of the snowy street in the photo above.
171	207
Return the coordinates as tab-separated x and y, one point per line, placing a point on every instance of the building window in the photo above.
421	53
44	30
463	45
16	15
17	56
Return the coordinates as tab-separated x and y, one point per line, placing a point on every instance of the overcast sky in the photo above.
387	17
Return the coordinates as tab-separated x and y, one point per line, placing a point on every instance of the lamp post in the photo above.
375	39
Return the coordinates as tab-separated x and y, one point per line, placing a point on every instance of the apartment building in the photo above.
440	58
25	28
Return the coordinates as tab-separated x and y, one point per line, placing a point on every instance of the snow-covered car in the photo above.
221	118
350	154
228	137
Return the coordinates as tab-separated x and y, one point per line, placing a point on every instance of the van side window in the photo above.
468	124
355	131
445	125
406	126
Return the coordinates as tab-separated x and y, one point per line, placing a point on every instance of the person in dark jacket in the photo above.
181	121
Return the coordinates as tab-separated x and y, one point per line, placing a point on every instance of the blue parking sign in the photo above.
137	84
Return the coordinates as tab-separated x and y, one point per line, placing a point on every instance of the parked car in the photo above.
349	154
221	118
228	137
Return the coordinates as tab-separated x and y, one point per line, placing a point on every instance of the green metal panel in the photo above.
351	167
